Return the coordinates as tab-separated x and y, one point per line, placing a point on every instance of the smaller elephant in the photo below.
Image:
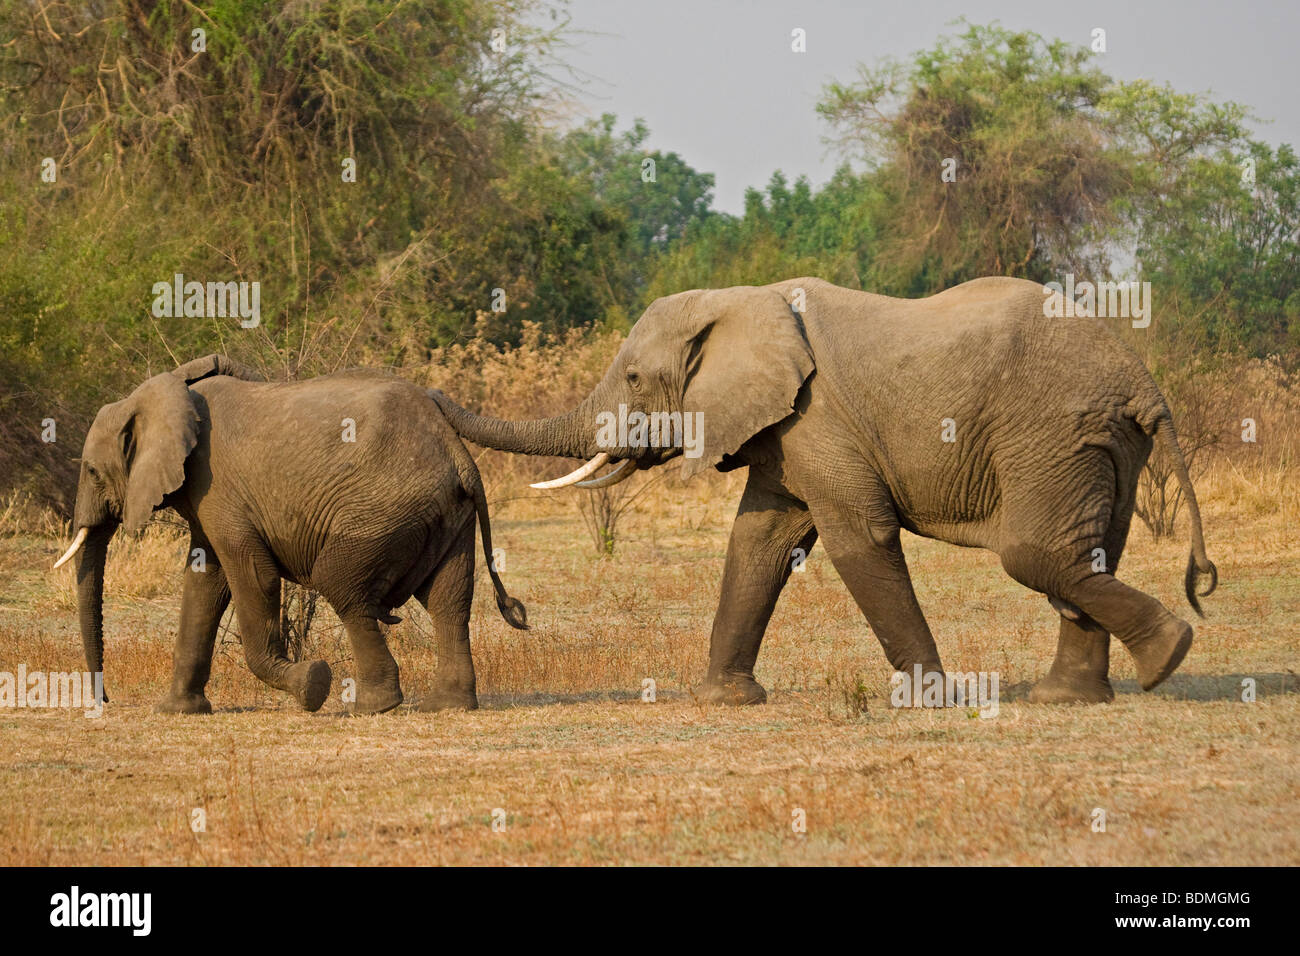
352	484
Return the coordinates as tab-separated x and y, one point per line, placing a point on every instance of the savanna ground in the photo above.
586	772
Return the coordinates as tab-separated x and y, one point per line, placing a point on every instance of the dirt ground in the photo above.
566	763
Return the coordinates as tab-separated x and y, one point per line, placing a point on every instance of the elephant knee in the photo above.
265	665
1039	569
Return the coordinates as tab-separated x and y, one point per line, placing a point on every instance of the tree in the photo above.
1015	122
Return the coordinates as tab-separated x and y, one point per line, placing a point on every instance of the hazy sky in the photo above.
718	83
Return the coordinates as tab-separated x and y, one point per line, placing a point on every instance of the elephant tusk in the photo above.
73	548
589	468
622	472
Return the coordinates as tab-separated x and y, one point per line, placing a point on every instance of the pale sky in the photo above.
718	83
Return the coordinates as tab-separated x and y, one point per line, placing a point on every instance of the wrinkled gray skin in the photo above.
838	413
270	490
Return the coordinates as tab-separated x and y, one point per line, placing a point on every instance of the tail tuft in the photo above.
513	610
1190	578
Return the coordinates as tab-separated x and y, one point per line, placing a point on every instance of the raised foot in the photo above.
447	699
377	699
1053	689
1159	656
733	691
184	704
311	682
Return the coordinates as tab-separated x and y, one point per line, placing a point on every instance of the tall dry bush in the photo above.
1238	425
1260	476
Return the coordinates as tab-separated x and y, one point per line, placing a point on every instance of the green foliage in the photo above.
784	232
1225	251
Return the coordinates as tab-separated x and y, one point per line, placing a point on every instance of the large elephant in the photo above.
968	416
352	484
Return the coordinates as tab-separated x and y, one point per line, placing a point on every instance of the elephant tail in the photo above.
1198	562
512	609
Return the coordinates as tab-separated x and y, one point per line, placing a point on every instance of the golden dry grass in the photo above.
585	772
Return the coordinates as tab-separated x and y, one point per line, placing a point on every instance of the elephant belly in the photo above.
980	533
373	575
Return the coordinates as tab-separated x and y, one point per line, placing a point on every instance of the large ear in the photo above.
160	428
748	360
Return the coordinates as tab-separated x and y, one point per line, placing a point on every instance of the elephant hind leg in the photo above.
1081	575
1079	672
379	688
448	595
255	586
1155	638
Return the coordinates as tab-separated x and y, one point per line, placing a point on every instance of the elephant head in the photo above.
134	456
700	374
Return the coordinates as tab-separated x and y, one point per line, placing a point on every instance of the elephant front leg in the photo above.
870	562
769	526
203	601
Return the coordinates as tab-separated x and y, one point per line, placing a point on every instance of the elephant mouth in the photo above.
582	476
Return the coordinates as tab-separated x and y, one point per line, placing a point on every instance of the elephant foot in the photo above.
733	691
377	698
184	704
1055	689
1159	655
309	682
447	698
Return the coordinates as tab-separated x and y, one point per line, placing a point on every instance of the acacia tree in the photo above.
1016	122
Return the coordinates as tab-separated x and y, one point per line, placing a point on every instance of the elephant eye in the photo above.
634	378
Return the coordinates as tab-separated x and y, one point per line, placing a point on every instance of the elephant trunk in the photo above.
90	594
94	523
571	435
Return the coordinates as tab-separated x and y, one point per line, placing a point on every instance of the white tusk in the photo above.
589	468
73	548
621	472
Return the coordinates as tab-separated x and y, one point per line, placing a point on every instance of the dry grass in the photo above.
587	773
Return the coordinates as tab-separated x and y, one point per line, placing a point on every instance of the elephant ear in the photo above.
749	358
198	369
160	427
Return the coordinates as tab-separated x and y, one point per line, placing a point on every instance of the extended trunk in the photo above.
572	435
